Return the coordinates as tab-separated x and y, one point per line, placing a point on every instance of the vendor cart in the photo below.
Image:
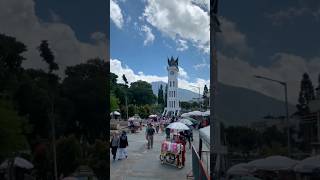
172	153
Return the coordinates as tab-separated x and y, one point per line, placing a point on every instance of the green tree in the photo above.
98	159
318	88
114	103
160	95
68	154
243	139
205	97
47	55
85	86
124	79
13	130
10	63
132	110
306	94
142	93
166	95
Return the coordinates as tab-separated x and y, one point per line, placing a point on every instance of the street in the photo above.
143	163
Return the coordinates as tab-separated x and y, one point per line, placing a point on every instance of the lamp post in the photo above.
284	84
199	95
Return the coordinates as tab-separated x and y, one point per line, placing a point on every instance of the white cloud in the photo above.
286	67
179	19
19	20
182	45
115	14
201	65
119	69
182	73
232	38
149	37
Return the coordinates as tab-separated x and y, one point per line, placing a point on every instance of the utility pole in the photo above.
127	105
284	84
218	151
53	130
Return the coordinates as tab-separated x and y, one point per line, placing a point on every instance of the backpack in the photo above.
150	131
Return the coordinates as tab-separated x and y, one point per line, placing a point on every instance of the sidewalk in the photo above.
144	164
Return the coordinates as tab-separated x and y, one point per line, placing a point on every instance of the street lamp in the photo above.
284	84
199	95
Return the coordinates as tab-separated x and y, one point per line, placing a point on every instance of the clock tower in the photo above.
173	103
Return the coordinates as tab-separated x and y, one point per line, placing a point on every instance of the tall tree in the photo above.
160	95
125	79
318	88
10	62
306	94
166	95
47	55
205	97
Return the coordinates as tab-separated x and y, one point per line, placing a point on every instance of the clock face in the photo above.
171	72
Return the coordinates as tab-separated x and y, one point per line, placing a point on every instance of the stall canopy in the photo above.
204	134
272	163
196	113
19	162
308	165
115	113
152	116
238	169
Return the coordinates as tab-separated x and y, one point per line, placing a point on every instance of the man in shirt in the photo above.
149	134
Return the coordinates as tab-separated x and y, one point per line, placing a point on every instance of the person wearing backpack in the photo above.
149	134
123	144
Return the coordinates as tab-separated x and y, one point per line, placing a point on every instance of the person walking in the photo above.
123	144
149	135
157	127
114	145
188	137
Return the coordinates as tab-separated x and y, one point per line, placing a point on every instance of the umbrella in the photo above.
19	162
207	113
308	165
272	163
152	116
115	113
185	115
178	126
192	120
238	169
186	122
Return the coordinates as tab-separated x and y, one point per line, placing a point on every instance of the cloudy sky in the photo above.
275	39
76	29
143	34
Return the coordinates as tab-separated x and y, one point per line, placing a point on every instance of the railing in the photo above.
198	170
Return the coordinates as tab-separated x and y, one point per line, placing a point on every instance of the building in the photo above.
173	102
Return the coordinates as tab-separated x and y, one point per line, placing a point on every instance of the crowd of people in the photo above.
119	142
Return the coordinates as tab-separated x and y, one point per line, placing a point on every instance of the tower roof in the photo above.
173	62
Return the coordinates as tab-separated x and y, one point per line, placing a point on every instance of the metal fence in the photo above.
198	170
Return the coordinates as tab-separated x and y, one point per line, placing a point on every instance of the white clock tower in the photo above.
173	103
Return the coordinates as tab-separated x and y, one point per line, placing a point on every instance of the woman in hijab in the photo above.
114	144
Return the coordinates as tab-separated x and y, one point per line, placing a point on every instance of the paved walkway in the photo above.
144	164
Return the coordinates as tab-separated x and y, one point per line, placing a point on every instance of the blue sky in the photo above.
278	39
142	45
